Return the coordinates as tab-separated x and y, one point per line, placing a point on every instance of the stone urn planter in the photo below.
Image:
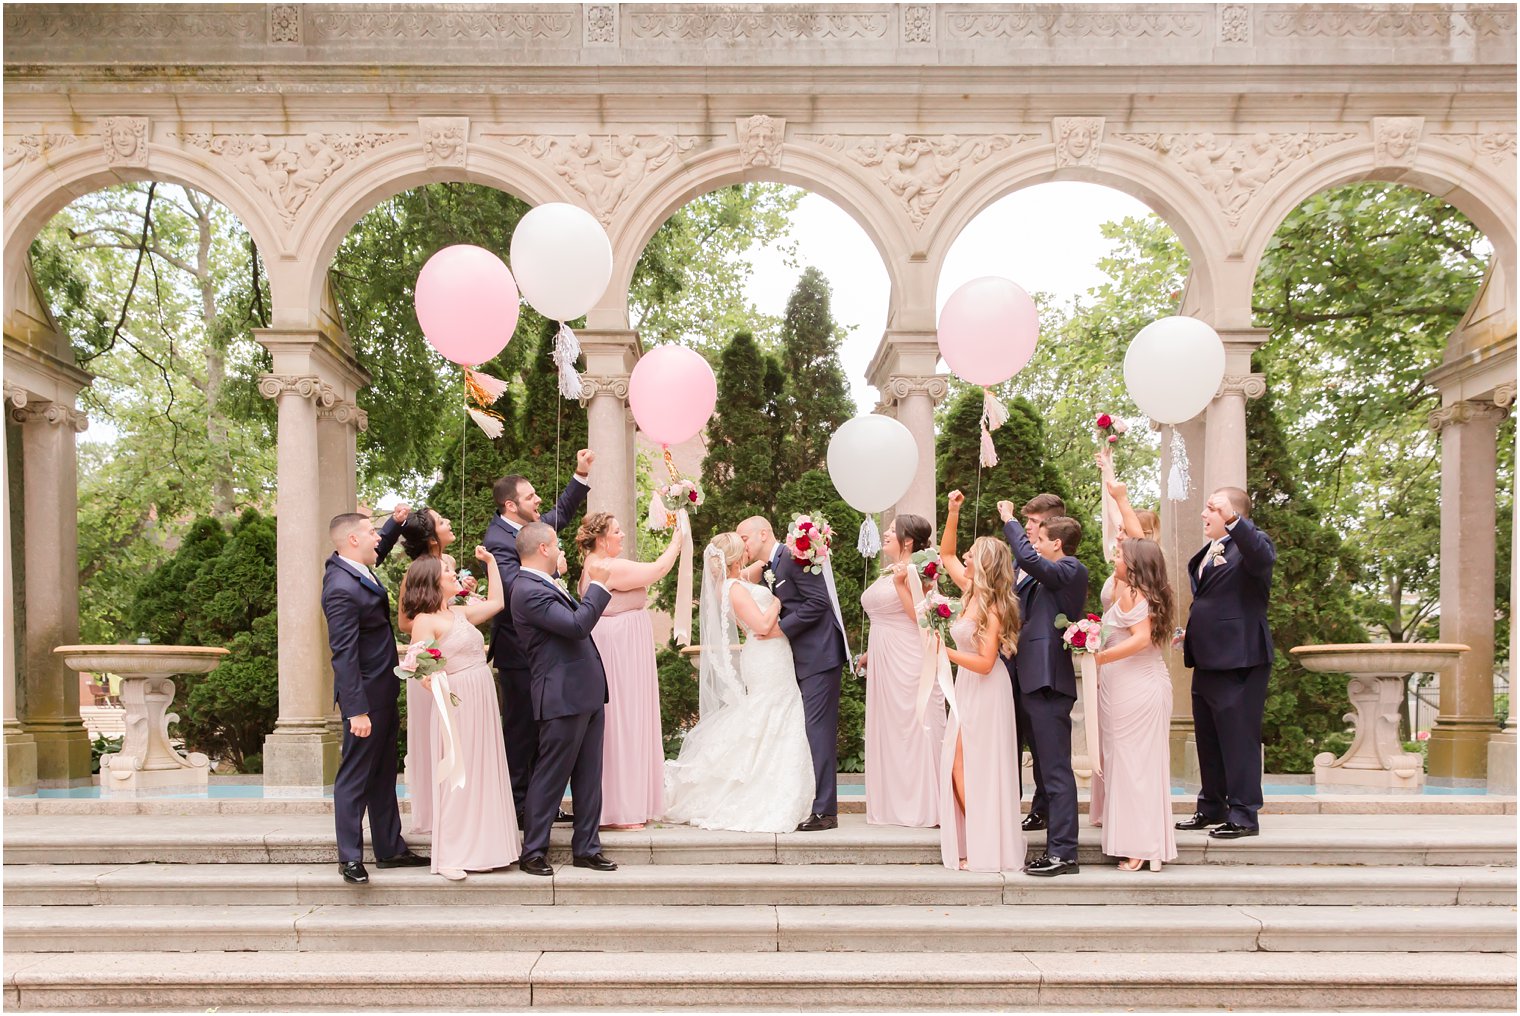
1376	761
147	762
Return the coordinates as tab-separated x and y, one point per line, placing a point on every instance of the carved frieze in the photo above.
918	25
285	24
379	22
1495	146
1234	24
919	170
760	139
1357	22
600	23
604	169
1234	168
717	24
1085	25
444	139
125	139
1396	139
23	148
1077	139
72	21
287	170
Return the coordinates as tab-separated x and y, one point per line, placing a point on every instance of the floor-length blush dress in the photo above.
419	757
633	752
902	752
987	833
1135	710
474	826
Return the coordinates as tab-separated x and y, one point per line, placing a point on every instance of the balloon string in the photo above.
976	513
559	464
464	438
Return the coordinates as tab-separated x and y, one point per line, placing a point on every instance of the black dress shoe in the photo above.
406	860
562	816
813	823
1033	822
1198	821
353	872
1231	831
536	866
596	862
1048	866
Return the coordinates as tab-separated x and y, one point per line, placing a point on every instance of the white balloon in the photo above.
1173	368
561	259
872	460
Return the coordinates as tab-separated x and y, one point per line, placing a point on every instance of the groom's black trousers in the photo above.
569	751
1227	713
820	706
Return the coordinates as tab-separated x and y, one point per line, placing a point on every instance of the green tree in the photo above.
740	470
816	398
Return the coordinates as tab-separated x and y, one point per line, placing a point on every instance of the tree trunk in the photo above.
222	501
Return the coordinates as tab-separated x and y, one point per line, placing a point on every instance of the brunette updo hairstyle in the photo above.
913	527
422	589
595	525
419	537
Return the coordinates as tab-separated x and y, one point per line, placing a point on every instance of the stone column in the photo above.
1225	418
903	370
301	755
51	550
1501	747
338	427
1181	536
1465	721
20	746
610	355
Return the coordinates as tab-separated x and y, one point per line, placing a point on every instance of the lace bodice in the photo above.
762	596
964	634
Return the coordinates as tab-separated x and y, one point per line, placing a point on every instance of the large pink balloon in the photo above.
988	330
466	303
672	393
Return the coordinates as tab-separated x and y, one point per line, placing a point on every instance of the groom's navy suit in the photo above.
1229	646
568	693
506	650
1045	683
818	654
358	611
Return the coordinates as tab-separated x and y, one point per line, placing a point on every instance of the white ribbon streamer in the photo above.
682	619
450	768
1089	664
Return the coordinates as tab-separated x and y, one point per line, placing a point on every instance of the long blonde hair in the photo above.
721	553
992	591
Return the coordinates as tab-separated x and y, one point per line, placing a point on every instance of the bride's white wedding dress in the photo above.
746	766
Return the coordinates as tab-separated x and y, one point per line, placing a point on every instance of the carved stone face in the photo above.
1261	143
581	145
123	139
1397	141
1078	140
446	142
313	143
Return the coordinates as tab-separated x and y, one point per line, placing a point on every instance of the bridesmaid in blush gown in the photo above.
902	751
979	766
474	825
1135	709
633	750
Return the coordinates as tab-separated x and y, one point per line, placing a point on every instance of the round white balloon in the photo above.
1173	368
872	460
561	259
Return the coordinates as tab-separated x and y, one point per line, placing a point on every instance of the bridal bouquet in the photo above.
1083	636
679	493
808	538
423	659
928	566
937	613
1110	427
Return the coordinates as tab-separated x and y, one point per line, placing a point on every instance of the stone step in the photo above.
413	981
748	884
1373	840
748	928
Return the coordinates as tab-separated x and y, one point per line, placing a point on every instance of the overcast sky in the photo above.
1045	238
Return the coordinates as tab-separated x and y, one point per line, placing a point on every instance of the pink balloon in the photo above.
672	393
466	303
988	330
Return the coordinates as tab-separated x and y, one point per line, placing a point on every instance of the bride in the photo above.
746	765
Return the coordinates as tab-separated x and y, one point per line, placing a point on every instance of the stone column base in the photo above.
1458	752
63	753
1185	764
1501	763
21	763
300	763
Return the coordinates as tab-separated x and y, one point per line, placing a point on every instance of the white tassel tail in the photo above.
567	349
489	423
869	543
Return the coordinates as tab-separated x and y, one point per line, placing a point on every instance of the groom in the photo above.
811	621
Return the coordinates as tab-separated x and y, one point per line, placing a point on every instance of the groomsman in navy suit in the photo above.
1054	582
569	697
1229	646
1035	512
365	687
518	504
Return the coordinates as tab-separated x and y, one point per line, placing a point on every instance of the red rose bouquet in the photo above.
1110	428
808	538
1083	636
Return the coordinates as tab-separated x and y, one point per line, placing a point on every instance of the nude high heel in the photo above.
1155	865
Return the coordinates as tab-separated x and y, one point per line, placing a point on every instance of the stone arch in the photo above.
812	168
1139	176
1437	170
82	169
385	176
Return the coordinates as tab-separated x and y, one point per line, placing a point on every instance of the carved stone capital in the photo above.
901	386
15	396
760	139
1077	139
1469	411
445	139
342	411
125	139
592	385
54	413
1396	139
1504	395
1250	386
305	386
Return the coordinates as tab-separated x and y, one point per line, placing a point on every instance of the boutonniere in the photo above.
770	578
559	581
